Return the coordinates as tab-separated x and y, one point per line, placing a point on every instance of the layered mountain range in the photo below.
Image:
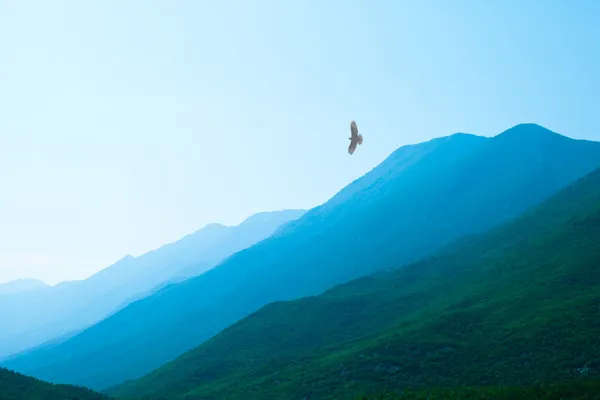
405	215
45	315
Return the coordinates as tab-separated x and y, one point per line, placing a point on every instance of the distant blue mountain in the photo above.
421	198
20	286
30	318
508	308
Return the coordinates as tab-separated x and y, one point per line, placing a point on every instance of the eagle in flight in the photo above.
355	138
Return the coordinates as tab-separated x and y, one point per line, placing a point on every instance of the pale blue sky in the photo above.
128	124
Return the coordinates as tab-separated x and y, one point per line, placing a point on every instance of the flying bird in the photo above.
355	138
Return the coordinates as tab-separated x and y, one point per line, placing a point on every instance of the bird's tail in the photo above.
360	139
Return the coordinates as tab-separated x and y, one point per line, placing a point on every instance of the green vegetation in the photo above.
419	199
518	306
14	386
578	390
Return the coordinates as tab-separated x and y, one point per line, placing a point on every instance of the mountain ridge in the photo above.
485	300
15	386
70	306
418	200
21	285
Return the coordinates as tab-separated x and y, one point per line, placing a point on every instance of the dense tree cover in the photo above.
421	198
575	390
518	306
14	386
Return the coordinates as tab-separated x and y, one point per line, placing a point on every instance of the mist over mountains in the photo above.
20	286
422	198
32	317
517	305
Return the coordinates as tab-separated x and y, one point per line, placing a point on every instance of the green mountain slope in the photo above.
14	386
519	305
572	390
420	198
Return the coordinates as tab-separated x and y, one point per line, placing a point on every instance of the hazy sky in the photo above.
128	124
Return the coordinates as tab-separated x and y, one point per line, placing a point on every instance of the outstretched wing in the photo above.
353	129
352	147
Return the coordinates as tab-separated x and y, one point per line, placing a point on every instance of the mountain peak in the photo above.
264	216
413	204
212	227
529	130
21	285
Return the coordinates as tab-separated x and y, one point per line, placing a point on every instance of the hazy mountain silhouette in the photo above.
515	306
20	286
421	198
32	318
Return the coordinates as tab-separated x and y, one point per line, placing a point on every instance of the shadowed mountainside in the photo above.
519	305
14	386
419	199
